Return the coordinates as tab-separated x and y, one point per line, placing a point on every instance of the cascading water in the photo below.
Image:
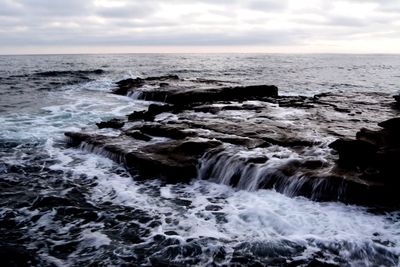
63	206
102	152
276	167
135	95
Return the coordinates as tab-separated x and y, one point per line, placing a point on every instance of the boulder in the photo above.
353	153
238	93
139	115
127	85
374	156
152	111
113	123
397	98
391	124
173	160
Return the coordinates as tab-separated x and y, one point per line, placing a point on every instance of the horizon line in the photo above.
199	53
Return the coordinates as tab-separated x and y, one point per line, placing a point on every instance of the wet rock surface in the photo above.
186	92
374	156
249	137
397	99
113	123
64	206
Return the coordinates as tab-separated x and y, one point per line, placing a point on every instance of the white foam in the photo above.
263	215
260	215
242	216
95	239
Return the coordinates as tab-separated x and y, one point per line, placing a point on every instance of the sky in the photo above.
266	26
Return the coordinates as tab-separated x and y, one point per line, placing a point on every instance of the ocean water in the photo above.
61	206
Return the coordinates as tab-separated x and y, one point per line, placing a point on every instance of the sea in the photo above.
64	206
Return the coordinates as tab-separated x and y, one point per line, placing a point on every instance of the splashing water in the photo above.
67	207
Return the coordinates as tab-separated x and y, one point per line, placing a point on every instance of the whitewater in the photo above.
62	206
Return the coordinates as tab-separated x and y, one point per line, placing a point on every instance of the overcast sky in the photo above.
80	26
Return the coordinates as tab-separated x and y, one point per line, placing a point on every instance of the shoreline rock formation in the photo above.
374	155
251	138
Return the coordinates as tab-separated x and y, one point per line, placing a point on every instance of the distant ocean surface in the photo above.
60	206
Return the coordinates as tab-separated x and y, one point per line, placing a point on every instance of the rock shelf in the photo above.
251	138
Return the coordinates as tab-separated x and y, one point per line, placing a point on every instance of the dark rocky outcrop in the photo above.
354	152
124	86
239	93
151	112
184	96
372	149
174	160
139	135
374	156
251	138
113	123
397	98
183	93
170	131
391	125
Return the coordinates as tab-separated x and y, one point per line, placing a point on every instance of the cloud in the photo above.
9	8
54	7
267	5
128	10
198	22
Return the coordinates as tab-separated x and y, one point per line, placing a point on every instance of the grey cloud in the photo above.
138	24
9	8
55	7
388	6
52	36
347	21
52	22
267	5
132	9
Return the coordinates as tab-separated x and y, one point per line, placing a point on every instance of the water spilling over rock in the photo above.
67	206
247	137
